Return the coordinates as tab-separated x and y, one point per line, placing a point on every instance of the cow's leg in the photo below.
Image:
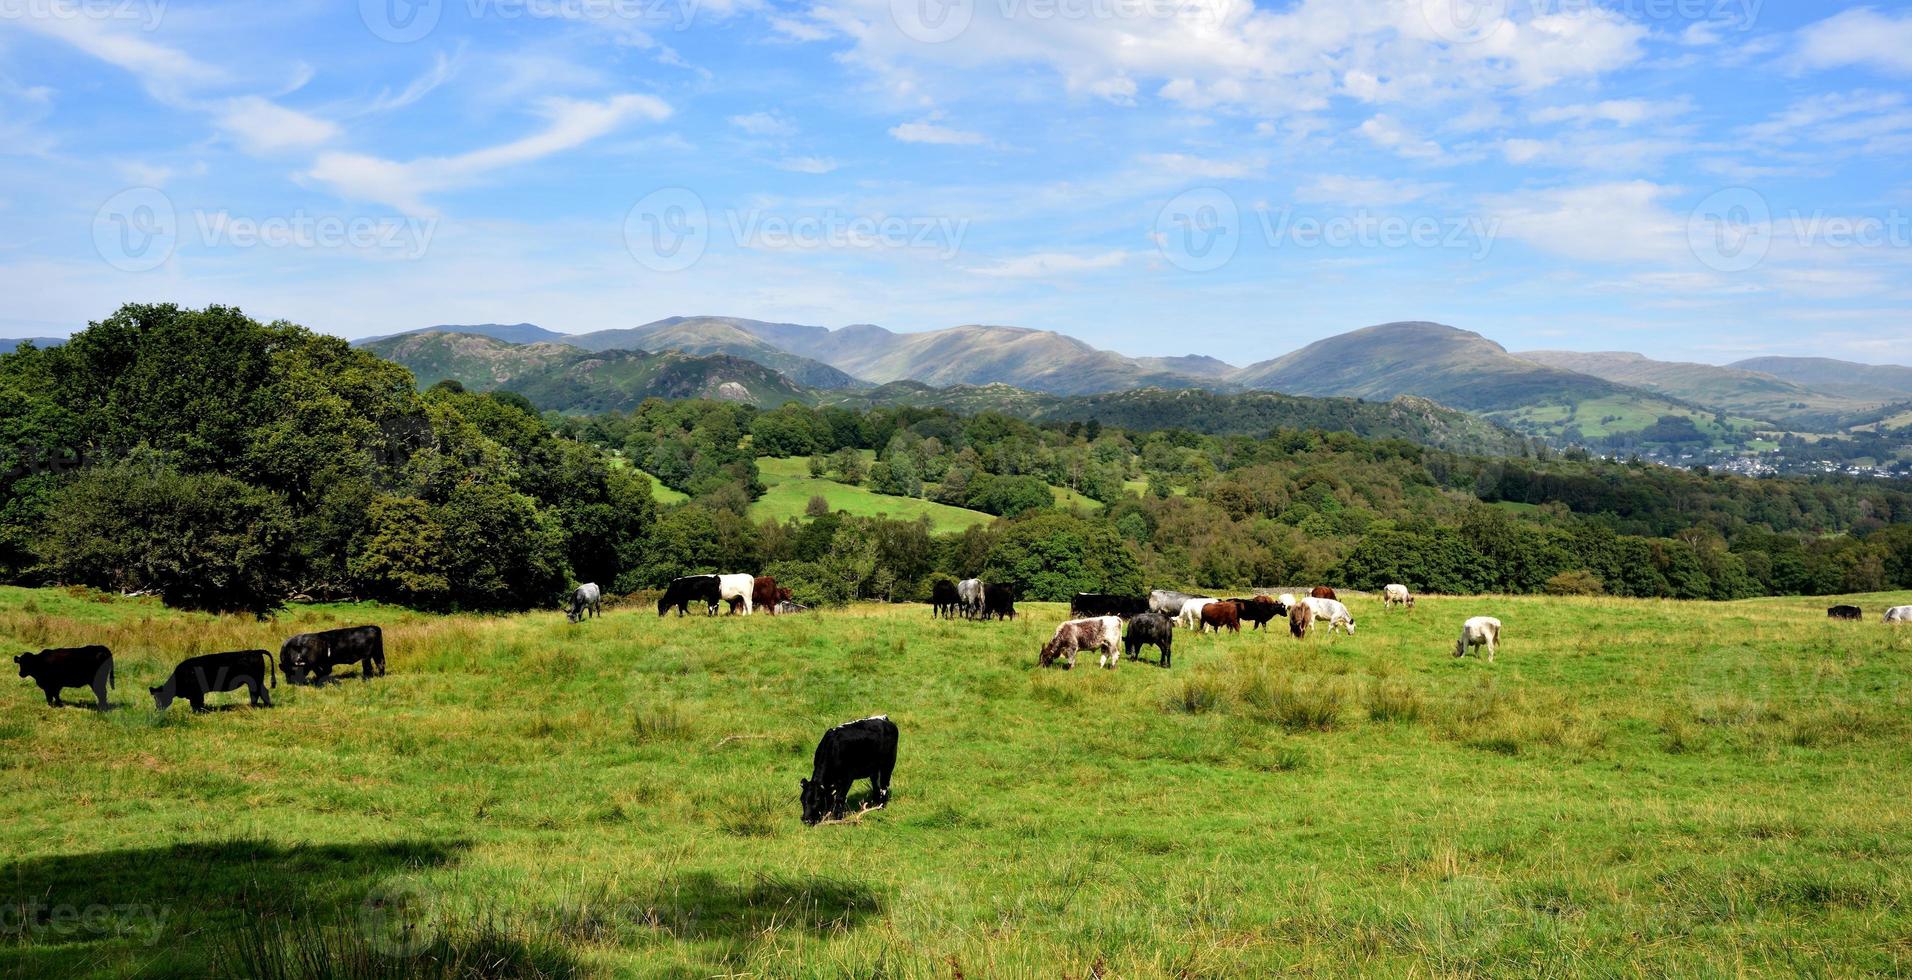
99	691
53	697
260	697
198	702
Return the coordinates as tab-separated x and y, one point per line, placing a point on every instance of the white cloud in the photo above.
1369	191
764	124
1388	133
807	165
1045	264
1615	222
1620	112
570	123
261	126
1859	38
1189	167
938	134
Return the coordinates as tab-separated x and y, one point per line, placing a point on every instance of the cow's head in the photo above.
162	696
24	661
816	802
1350	625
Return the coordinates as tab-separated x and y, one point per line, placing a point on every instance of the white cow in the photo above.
969	592
736	587
1899	614
1191	614
1481	631
1287	600
1332	612
1396	595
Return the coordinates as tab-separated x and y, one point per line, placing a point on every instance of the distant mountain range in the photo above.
1545	393
10	344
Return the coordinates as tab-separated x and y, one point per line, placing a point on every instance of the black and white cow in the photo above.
586	600
196	677
969	592
64	667
309	657
851	751
700	589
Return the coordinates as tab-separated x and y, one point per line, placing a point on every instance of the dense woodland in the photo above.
227	464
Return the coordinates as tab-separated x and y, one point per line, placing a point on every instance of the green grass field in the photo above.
1634	788
1599	417
789	488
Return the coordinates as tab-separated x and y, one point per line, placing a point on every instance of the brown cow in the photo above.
1322	592
1259	609
1300	617
1220	614
764	594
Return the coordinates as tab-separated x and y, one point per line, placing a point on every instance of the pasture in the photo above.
1634	788
789	487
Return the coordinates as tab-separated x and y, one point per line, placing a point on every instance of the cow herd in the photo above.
972	599
306	658
741	590
1896	614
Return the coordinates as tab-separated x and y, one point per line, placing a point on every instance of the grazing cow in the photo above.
764	593
701	589
969	592
1396	595
585	599
1221	614
1190	615
785	607
851	751
1150	628
1846	612
1322	592
943	600
1259	610
999	601
1899	614
63	667
733	587
1102	633
1168	603
310	657
196	677
1088	604
1481	631
1300	619
1332	612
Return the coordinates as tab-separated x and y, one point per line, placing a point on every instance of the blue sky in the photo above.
1697	179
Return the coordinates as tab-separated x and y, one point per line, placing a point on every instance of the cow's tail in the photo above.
271	667
111	672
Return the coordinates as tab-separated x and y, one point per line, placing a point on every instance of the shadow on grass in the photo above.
246	907
734	917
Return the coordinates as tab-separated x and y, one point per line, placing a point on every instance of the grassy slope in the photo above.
1634	788
790	487
1728	389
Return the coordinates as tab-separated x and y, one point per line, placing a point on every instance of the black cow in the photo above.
196	677
1846	612
1259	610
586	599
310	657
64	667
943	599
999	601
688	589
1150	629
1089	604
855	750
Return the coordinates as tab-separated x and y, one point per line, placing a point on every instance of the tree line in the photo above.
227	464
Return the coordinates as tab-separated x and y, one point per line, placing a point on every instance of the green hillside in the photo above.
717	335
1740	392
790	487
